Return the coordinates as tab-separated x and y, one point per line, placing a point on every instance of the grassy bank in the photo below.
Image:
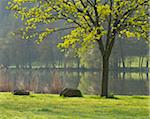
45	106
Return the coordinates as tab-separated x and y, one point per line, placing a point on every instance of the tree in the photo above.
87	22
46	52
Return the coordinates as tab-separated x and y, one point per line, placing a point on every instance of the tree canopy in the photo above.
88	20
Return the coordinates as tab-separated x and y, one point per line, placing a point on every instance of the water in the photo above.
47	81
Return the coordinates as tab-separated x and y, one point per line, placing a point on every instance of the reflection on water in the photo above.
46	81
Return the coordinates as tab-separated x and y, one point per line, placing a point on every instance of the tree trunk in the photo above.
105	74
142	58
147	69
30	65
139	61
116	69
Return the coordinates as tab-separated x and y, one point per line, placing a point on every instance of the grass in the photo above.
47	106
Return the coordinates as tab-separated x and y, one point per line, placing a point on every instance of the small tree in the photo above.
88	22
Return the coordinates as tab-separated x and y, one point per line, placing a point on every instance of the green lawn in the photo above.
45	106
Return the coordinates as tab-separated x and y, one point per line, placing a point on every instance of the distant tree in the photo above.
5	58
8	21
15	51
87	59
47	53
89	22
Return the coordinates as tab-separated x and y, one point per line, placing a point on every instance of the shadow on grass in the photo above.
32	96
138	97
112	97
44	110
99	97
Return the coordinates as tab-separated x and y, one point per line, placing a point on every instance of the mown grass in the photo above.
45	106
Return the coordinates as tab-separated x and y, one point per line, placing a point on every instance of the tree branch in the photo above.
79	10
109	27
90	2
88	14
101	46
96	12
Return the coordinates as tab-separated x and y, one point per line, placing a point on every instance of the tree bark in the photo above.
147	69
105	74
142	58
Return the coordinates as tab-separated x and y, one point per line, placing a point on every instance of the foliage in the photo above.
87	19
39	106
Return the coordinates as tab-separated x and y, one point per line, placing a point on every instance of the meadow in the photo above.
48	106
